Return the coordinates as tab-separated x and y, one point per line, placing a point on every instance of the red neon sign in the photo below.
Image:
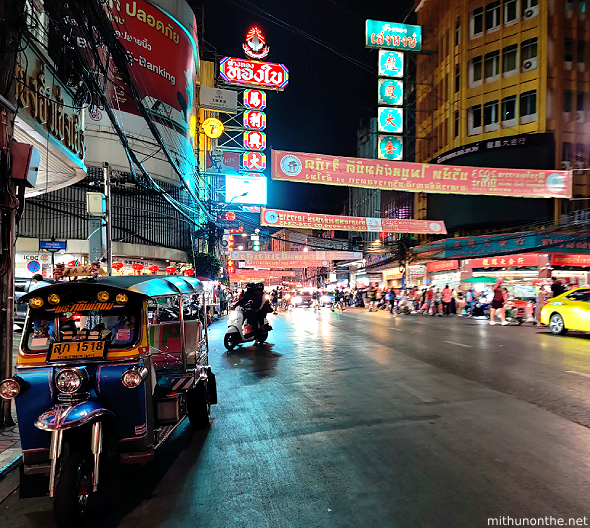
230	216
255	46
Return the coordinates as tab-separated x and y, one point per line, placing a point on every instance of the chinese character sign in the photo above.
419	177
254	73
255	99
255	119
391	120
390	148
254	161
391	64
255	140
393	36
391	92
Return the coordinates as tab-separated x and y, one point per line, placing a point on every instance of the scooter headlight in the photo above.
68	381
133	377
297	300
11	388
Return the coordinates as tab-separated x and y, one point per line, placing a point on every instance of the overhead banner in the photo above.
266	274
296	255
283	264
280	218
518	260
419	177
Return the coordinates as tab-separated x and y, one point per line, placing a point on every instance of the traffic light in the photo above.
256	245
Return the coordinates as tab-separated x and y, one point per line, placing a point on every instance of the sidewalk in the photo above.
10	450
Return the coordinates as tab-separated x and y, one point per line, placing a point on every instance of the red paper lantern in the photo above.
189	272
137	267
117	265
154	269
170	269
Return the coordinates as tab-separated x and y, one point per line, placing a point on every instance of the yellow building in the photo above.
505	83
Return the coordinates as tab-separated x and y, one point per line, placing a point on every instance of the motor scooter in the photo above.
237	333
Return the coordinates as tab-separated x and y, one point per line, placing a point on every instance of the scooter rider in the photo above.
255	311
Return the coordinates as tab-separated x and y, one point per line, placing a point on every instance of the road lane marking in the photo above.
413	392
578	373
459	344
396	329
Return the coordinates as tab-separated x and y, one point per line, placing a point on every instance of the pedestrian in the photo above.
460	301
556	287
498	303
436	308
447	297
470	302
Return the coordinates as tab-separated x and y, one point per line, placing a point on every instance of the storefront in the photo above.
442	273
571	268
392	278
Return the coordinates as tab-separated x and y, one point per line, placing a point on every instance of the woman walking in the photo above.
498	303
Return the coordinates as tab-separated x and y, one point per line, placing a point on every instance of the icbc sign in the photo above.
255	99
255	119
255	140
255	161
254	73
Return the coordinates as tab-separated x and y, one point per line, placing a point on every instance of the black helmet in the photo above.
260	286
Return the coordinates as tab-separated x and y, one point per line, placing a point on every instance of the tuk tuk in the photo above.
110	365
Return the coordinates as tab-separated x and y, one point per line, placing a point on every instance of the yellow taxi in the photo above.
568	311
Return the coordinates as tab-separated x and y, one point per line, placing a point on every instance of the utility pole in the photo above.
12	22
109	237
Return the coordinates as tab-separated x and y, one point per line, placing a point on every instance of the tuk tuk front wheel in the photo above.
197	406
73	488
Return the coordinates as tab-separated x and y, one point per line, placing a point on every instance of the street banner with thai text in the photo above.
442	265
283	264
295	255
280	218
580	261
262	274
419	177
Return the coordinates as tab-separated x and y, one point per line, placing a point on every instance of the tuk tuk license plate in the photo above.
77	350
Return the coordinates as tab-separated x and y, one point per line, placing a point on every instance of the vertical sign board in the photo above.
390	120
390	148
391	64
95	240
391	92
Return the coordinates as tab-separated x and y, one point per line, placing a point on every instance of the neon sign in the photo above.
255	140
246	72
255	119
255	46
255	99
255	161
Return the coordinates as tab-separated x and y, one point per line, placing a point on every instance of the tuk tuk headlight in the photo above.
36	302
11	387
121	298
133	377
53	298
68	380
102	296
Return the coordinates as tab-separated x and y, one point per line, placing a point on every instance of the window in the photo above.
492	65
475	71
569	50
510	11
509	111
580	153
569	7
456	124
474	120
567	101
530	9
510	60
580	102
490	116
493	16
458	31
581	51
582	6
528	107
528	53
476	22
457	77
580	295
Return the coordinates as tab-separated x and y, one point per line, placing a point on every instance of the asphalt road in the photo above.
364	420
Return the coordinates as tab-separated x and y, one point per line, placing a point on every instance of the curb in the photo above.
14	460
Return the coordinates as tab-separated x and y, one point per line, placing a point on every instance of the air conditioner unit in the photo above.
531	12
580	117
579	167
566	165
529	64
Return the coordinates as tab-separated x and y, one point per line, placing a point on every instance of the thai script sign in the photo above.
392	36
442	265
254	73
48	105
243	274
391	64
419	177
280	218
525	259
295	255
580	261
284	263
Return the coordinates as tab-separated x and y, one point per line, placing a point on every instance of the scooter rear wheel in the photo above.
230	341
262	337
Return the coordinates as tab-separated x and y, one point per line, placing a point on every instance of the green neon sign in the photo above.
390	35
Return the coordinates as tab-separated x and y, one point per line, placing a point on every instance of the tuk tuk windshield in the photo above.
118	327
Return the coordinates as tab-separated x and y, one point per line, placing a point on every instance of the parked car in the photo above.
24	285
302	298
568	311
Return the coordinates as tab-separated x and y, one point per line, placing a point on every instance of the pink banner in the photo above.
283	264
280	218
261	274
419	177
295	255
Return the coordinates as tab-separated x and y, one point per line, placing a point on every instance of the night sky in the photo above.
327	95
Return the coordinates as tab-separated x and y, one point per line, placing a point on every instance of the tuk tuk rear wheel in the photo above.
197	406
73	488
